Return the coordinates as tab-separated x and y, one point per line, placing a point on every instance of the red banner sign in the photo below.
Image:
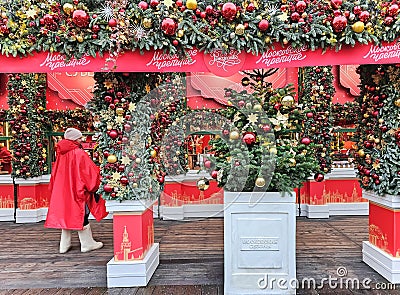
196	61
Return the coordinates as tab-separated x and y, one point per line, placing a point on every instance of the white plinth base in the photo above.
333	209
133	273
31	216
259	243
7	214
191	211
385	264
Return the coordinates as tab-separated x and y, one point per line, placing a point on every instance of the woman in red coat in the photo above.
5	158
74	180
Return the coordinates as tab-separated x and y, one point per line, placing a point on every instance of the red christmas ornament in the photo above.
249	138
107	188
112	22
229	11
310	115
214	174
393	10
305	140
161	179
154	3
318	177
301	6
209	10
339	23
263	25
364	16
250	7
124	180
295	16
80	18
113	134
169	26
143	5
388	20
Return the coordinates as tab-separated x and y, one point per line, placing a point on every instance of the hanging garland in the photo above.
316	98
27	101
378	130
80	27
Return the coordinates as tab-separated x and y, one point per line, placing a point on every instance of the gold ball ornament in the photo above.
203	184
260	182
119	111
234	135
361	153
111	159
147	23
397	102
68	8
153	153
358	27
288	101
138	160
191	4
267	39
79	38
134	185
239	30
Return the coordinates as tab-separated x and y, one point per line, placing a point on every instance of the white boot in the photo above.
87	242
65	241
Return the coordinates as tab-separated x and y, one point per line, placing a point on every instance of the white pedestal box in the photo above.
259	243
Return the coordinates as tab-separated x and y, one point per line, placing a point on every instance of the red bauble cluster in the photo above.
391	12
3	26
263	25
169	26
49	21
80	18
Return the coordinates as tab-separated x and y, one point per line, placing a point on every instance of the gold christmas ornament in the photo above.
119	111
147	23
361	153
191	4
397	102
203	184
153	153
111	159
358	27
68	8
292	162
79	38
138	160
239	29
288	101
260	182
234	135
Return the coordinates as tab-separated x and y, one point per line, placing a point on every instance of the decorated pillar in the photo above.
378	159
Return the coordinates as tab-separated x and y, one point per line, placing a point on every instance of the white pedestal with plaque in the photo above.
259	243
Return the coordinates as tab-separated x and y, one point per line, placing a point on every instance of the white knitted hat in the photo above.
72	134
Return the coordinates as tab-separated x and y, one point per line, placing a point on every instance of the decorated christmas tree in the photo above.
378	131
262	150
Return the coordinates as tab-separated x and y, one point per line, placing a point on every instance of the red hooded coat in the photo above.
73	181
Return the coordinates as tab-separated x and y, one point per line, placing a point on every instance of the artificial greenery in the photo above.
27	103
79	27
135	111
378	131
316	98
